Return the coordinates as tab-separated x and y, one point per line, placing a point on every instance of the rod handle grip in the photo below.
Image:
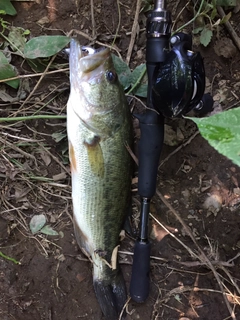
139	285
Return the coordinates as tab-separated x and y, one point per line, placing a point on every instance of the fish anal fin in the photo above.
82	240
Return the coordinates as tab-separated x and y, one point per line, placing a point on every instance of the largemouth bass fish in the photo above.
99	125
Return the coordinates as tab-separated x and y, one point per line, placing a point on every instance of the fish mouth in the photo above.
84	59
90	50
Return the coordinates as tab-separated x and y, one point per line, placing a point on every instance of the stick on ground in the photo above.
229	28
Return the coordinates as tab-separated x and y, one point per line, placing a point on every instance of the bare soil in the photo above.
54	279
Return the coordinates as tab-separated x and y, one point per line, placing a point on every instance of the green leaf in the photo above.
227	3
38	65
197	30
59	136
139	78
6	6
16	37
213	13
37	222
49	231
226	17
222	131
141	91
123	71
7	71
26	32
206	36
44	46
146	5
3	59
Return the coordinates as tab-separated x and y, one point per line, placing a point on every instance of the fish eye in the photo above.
111	76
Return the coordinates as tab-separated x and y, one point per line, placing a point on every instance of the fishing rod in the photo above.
176	83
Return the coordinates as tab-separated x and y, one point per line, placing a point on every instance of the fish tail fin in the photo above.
111	295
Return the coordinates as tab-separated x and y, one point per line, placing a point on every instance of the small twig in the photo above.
192	20
229	28
139	100
124	307
178	148
39	81
182	289
39	116
52	10
179	14
199	263
134	31
22	221
93	20
192	254
131	153
83	34
235	257
230	278
233	296
128	253
34	75
16	148
19	138
119	22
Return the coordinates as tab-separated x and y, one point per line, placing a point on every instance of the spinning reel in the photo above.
180	81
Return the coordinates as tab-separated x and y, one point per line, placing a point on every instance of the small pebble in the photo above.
213	203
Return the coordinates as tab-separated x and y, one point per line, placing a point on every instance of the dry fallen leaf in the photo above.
60	176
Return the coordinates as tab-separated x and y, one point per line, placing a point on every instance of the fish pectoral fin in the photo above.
95	155
72	158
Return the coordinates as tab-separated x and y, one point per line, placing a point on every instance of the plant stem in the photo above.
12	44
192	20
8	258
40	116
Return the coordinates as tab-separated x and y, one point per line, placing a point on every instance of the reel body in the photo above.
179	83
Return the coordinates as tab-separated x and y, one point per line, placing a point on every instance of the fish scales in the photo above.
99	125
97	199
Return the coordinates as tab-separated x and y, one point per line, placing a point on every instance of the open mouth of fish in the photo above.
86	59
89	50
85	50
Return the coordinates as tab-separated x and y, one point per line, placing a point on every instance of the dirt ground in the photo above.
54	279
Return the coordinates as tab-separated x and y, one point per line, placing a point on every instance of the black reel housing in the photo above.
180	80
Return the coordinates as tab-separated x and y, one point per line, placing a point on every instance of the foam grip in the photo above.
149	148
139	285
